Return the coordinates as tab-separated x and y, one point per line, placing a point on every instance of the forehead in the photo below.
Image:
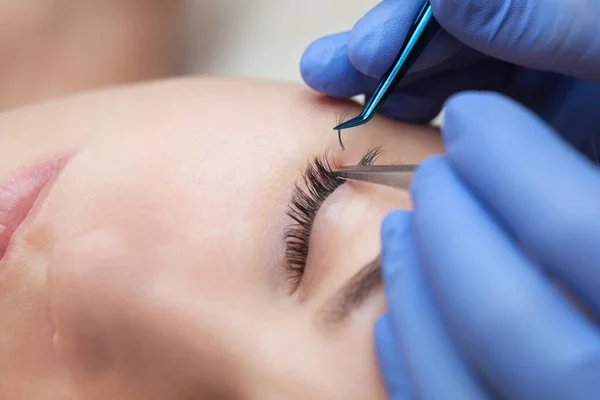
235	145
229	130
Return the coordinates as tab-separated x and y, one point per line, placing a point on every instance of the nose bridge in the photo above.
98	283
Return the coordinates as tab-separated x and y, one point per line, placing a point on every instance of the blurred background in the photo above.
260	38
52	48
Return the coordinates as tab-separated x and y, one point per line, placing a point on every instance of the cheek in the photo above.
125	306
95	281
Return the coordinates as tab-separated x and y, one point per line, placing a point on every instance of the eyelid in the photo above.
317	184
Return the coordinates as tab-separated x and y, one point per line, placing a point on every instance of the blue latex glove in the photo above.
561	36
472	314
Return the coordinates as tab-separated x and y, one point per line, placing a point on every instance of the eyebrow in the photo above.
354	293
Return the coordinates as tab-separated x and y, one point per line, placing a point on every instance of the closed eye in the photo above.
316	184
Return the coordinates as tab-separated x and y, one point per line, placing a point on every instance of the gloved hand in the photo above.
493	281
483	42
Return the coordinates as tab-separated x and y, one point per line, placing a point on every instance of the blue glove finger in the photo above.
542	189
501	311
557	35
390	360
420	102
435	368
376	39
326	68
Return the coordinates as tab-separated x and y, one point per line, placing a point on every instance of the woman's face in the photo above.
155	265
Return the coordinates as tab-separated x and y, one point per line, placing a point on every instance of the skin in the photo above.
50	48
153	268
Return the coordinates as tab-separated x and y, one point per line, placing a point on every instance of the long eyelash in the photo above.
317	183
341	119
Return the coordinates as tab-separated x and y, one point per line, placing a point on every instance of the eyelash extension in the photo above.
341	119
317	183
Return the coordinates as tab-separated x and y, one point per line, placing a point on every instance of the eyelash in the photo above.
317	183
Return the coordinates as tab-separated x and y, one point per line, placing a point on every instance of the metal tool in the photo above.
398	176
422	31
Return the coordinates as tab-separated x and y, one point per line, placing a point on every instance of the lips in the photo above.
20	192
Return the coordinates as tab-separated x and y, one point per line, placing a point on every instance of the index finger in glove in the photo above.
433	363
505	315
541	188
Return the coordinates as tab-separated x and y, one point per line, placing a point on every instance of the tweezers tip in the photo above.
342	174
351	123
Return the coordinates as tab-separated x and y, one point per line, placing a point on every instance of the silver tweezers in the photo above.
398	176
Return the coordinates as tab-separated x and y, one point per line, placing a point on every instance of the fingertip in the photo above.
393	231
394	222
486	113
466	99
485	98
457	110
326	68
376	38
472	113
389	359
315	61
426	171
367	50
386	341
384	337
383	333
430	164
414	327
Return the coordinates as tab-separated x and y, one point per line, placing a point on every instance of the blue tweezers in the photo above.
422	31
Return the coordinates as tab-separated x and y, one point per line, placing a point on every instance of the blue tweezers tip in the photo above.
356	121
